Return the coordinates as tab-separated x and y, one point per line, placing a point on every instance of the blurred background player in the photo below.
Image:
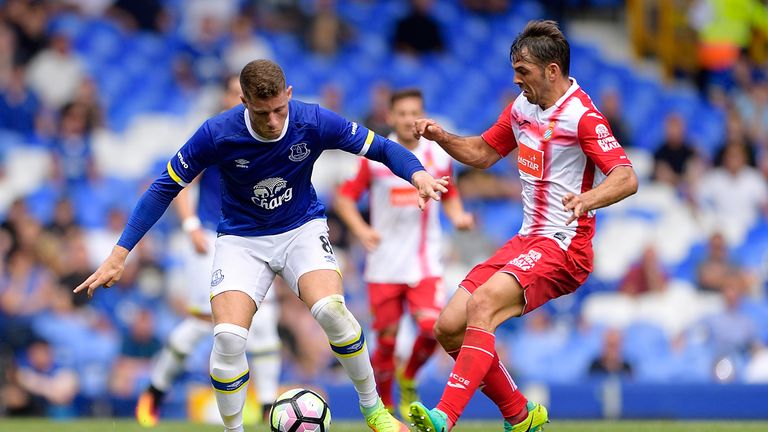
404	261
272	223
562	140
263	343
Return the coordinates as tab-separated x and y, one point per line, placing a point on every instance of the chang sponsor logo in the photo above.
271	193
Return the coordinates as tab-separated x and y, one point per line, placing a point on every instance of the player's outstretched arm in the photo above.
190	223
428	187
460	219
472	151
620	183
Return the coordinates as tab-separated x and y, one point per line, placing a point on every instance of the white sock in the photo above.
348	344
183	339
229	373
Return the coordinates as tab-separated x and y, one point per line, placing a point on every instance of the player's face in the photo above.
268	116
403	114
530	78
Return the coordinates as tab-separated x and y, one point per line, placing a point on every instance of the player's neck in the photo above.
559	89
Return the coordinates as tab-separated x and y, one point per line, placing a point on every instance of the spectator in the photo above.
19	106
734	195
486	6
418	32
325	30
28	19
732	332
712	270
611	360
25	287
56	60
7	54
610	107
646	276
376	120
52	384
674	155
72	145
147	15
736	134
131	369
17	402
245	46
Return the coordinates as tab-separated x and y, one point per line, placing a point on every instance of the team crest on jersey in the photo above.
242	163
299	152
271	193
550	130
217	277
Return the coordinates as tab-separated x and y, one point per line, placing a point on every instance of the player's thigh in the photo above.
495	301
263	335
426	299
239	281
311	268
386	302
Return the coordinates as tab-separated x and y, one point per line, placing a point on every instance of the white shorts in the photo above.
249	264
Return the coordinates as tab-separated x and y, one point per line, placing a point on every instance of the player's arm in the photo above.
345	204
473	150
620	183
190	223
183	167
454	209
338	133
600	146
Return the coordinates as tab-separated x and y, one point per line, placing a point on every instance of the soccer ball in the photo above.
300	410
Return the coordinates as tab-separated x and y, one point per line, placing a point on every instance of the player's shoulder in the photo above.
304	114
581	110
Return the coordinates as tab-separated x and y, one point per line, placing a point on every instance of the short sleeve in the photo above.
355	187
197	154
336	132
500	136
599	144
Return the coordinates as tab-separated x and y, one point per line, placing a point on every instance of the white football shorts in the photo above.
249	264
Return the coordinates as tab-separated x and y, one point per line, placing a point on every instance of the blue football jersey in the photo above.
209	198
265	184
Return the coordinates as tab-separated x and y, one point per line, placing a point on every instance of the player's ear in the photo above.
289	92
242	99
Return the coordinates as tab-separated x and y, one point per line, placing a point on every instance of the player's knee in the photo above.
446	332
229	341
336	320
480	305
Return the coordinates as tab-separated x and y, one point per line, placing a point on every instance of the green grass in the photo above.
39	425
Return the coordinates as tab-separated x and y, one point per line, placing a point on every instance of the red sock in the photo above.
423	347
501	389
472	364
383	362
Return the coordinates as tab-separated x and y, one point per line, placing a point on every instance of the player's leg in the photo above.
386	307
263	349
185	336
239	283
425	300
170	361
312	272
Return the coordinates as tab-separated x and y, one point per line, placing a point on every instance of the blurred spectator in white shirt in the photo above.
56	72
245	46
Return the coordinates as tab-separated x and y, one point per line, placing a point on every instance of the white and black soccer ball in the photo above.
300	410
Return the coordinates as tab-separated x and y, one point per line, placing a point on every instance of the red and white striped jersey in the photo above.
411	239
558	151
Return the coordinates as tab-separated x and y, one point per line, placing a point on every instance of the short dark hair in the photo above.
545	44
404	94
262	79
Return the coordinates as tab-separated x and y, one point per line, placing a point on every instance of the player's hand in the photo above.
428	187
428	129
369	237
464	222
576	205
108	273
199	241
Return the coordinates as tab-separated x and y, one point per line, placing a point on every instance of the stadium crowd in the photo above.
95	95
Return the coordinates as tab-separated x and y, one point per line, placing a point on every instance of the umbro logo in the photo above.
242	163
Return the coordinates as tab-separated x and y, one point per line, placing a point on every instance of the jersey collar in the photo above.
571	90
257	137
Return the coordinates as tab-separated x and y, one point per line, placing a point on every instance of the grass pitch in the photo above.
42	425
